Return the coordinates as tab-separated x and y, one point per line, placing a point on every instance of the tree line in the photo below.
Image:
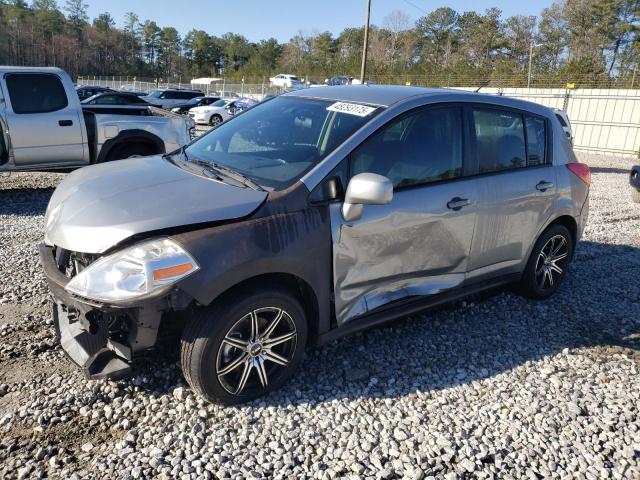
587	41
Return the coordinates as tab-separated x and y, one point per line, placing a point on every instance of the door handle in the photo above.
65	123
544	185
456	203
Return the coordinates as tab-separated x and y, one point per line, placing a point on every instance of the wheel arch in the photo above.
135	136
570	223
289	282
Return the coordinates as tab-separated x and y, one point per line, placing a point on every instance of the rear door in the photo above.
419	243
44	127
517	184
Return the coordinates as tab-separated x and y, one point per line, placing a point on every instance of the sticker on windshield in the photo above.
351	109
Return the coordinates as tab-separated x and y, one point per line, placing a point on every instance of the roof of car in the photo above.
387	95
383	95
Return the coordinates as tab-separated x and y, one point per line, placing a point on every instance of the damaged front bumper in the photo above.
103	339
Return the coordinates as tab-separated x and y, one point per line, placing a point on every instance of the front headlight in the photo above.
137	271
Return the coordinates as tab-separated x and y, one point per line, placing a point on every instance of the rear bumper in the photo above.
634	177
101	339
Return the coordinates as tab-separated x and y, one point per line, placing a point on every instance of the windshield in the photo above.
194	101
156	93
276	142
218	103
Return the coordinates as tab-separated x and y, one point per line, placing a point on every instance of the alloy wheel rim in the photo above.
551	262
256	350
215	121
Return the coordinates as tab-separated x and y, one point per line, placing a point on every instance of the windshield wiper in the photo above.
221	172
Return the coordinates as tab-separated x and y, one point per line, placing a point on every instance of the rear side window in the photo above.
500	140
35	93
422	147
536	141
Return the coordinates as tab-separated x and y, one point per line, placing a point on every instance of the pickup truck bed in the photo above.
44	126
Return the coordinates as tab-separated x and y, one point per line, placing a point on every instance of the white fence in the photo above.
604	120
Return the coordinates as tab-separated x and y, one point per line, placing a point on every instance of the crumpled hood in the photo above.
96	207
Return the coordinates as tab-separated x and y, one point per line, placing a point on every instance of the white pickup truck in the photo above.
44	127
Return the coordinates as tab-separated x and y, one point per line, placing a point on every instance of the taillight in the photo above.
581	170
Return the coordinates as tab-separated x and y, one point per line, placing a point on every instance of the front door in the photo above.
419	243
44	127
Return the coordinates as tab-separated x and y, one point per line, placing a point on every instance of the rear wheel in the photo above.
244	347
548	263
215	120
130	151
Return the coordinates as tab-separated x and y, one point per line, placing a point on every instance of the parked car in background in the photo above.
563	118
213	114
137	93
285	80
86	91
342	80
201	101
241	105
114	98
43	125
116	103
634	181
310	216
170	97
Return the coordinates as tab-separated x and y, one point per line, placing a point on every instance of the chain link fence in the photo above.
256	91
604	120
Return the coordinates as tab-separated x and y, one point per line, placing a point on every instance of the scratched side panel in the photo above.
285	236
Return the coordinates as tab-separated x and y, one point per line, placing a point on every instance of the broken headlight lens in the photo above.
134	272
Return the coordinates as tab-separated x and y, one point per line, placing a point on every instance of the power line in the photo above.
408	2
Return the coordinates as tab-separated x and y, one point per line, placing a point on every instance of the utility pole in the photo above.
365	47
531	45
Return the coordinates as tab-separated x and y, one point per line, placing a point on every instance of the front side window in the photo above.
35	93
499	140
276	142
422	147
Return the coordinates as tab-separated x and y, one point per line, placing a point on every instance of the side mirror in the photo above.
365	189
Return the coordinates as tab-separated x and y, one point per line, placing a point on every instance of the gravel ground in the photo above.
496	386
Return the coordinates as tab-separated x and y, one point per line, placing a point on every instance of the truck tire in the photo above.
130	150
244	346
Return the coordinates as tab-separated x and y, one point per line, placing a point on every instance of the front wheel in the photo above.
548	263
215	120
244	347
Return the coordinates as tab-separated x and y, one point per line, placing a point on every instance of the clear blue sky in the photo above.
260	19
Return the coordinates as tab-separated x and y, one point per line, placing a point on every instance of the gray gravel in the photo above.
495	386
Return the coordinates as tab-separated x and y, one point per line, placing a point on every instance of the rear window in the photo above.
500	140
35	93
536	141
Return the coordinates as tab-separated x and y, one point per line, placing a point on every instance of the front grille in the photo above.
71	263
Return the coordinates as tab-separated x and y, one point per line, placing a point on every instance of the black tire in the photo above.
130	150
535	282
635	195
204	351
215	120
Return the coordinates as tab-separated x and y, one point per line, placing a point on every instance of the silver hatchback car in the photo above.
310	216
